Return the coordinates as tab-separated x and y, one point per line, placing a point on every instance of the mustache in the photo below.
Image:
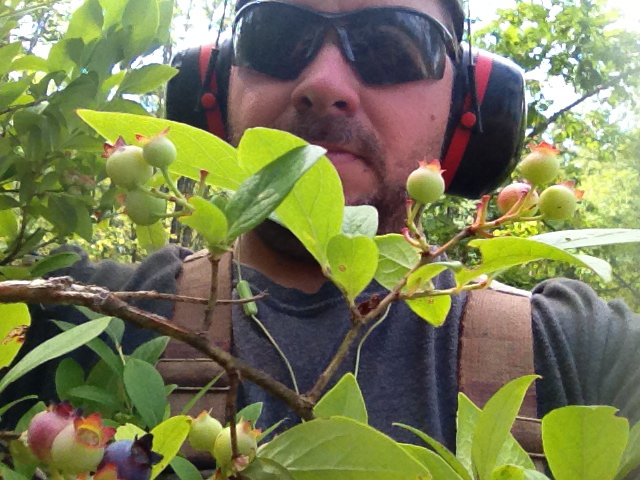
338	131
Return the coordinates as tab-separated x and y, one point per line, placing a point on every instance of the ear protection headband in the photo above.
483	138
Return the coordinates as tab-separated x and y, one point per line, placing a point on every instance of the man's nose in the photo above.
328	85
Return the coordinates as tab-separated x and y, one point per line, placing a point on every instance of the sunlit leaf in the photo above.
259	195
352	263
397	257
341	448
501	253
168	437
344	399
13	328
584	442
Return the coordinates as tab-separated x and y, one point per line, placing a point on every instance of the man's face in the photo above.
375	135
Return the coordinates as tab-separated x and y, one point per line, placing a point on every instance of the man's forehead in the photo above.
431	7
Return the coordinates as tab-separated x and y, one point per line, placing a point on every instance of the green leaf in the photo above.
265	469
495	422
54	348
588	237
140	20
194	399
209	221
147	78
250	413
503	252
8	225
352	263
69	375
360	220
341	448
7	53
313	209
10	91
113	11
145	388
97	395
344	399
184	469
152	237
441	450
128	431
433	310
197	150
584	442
631	457
151	351
168	437
7	202
15	320
397	257
30	63
64	54
86	22
54	262
259	195
508	472
439	469
5	408
8	474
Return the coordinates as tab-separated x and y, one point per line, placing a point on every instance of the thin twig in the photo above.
529	419
185	299
213	293
15	108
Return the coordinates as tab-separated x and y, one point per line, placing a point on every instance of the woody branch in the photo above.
62	290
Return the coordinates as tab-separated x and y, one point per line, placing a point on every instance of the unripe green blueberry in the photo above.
542	165
558	202
426	184
144	209
510	195
79	447
127	168
247	443
159	151
203	433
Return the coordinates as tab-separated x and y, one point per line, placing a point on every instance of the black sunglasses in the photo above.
385	45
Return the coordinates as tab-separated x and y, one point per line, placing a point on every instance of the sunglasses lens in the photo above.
277	39
398	47
386	46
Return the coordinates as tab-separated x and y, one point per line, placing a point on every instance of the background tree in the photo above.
582	75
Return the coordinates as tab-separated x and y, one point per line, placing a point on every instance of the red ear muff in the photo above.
477	160
197	94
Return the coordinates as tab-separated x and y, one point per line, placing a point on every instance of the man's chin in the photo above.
282	241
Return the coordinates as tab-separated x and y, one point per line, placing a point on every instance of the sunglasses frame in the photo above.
332	22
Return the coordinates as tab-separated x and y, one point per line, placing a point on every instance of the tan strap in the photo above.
184	366
496	346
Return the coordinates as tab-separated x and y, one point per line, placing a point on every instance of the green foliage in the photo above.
54	348
51	175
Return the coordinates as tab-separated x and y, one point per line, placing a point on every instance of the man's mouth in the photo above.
341	159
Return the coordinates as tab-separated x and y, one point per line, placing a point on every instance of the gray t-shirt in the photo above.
586	350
